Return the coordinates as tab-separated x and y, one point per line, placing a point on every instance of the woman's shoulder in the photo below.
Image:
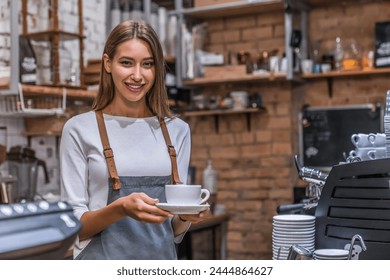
82	120
177	122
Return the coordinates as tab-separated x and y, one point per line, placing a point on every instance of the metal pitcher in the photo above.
298	252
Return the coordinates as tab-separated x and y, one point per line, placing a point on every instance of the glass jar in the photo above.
351	59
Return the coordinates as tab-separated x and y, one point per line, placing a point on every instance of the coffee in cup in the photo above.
182	194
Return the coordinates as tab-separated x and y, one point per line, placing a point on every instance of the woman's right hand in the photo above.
142	207
139	206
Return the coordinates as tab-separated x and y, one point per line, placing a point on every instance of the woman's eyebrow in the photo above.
132	58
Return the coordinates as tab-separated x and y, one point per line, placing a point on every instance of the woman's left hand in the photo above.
195	218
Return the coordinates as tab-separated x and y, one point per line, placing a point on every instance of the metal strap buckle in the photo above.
116	183
108	153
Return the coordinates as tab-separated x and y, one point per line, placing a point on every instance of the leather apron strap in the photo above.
109	155
107	151
171	151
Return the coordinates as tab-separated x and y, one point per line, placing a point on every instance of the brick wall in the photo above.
255	165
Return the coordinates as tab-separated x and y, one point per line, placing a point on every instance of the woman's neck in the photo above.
131	112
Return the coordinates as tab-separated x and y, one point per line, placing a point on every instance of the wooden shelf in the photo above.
48	133
46	90
327	3
233	9
49	34
30	114
238	79
219	112
329	76
346	73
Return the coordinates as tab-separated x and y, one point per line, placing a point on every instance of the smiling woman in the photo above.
115	198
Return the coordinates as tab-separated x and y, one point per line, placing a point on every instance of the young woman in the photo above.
116	159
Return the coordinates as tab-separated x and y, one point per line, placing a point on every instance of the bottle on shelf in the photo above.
210	178
338	54
210	183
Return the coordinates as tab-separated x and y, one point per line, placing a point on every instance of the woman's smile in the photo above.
136	88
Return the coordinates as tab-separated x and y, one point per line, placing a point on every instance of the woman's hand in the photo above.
195	218
142	207
136	205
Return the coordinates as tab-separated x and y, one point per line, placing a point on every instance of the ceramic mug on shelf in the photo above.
307	66
326	67
182	194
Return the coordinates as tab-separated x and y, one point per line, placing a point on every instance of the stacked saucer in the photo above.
331	254
291	230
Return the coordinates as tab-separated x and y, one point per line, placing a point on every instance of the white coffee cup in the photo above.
377	153
183	194
326	67
307	66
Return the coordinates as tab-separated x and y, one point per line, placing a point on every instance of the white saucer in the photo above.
183	209
294	218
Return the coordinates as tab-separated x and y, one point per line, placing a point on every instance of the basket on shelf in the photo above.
19	104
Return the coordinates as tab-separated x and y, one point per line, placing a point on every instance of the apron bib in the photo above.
129	238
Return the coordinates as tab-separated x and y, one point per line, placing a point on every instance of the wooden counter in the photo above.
216	224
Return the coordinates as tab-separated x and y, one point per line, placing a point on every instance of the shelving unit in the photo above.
220	112
232	9
54	35
11	104
240	79
239	8
346	73
31	90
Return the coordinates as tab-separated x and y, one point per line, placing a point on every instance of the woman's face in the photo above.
132	69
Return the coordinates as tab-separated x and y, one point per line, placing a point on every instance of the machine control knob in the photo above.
6	210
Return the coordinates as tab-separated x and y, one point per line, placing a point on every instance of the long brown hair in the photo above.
157	97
